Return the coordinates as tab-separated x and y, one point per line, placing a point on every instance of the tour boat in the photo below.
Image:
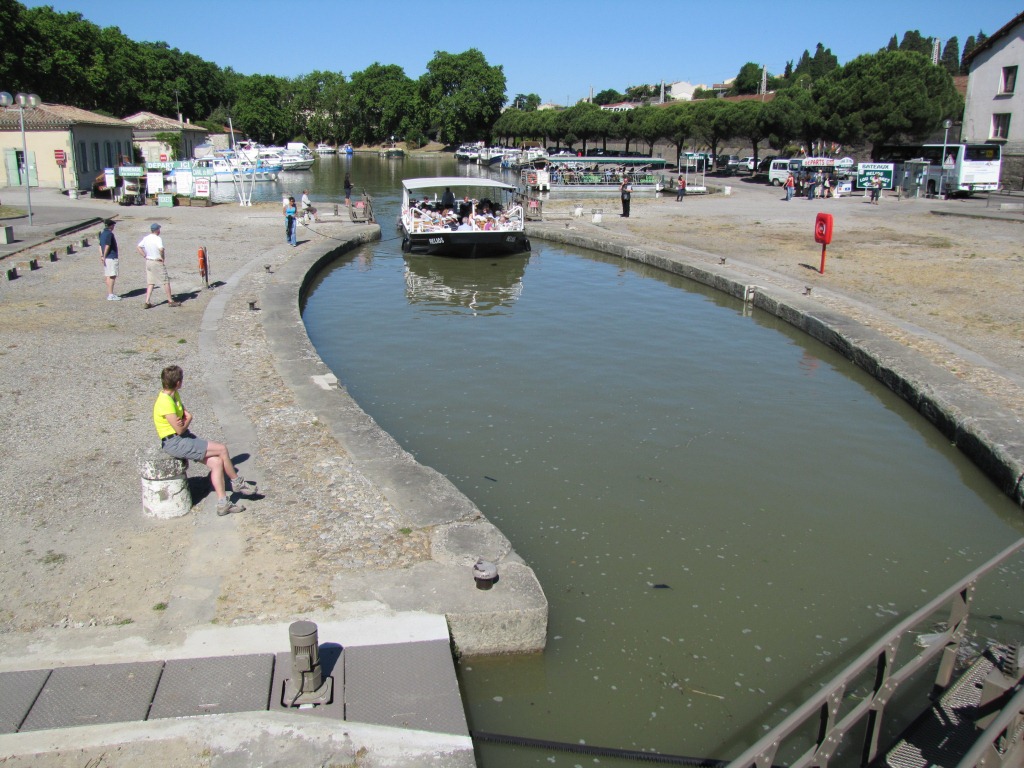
469	228
325	149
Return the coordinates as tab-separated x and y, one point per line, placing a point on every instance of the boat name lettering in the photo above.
435	240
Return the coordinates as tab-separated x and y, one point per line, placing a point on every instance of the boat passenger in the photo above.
465	226
448	198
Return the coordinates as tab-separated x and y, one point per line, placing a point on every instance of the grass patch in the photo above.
182	341
160	607
123	622
53	558
406	531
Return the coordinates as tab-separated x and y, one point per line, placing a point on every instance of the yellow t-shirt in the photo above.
164	405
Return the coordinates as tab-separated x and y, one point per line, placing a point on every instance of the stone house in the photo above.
89	142
152	150
994	106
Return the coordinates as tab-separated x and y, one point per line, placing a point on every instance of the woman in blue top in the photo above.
289	222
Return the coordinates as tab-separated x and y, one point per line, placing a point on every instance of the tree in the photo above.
258	112
383	101
608	96
642	93
950	60
713	122
751	122
747	81
916	42
652	123
680	125
462	95
893	45
969	47
792	116
883	96
527	102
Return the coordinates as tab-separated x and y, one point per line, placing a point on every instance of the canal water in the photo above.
721	511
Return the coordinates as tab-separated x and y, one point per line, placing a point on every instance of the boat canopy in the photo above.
453	181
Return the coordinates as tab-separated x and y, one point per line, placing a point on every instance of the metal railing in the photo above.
879	661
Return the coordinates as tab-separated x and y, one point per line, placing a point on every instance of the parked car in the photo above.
729	163
764	164
748	163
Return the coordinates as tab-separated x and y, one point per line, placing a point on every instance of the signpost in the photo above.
62	162
867	171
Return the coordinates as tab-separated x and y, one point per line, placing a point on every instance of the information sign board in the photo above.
866	172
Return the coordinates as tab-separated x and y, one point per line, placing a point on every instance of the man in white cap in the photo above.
152	248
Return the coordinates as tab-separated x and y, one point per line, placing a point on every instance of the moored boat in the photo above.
325	149
391	149
456	224
598	174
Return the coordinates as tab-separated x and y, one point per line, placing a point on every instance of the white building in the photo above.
994	108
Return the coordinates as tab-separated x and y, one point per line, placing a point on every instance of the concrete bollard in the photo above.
12	273
85	242
6	234
165	491
53	256
28	266
69	250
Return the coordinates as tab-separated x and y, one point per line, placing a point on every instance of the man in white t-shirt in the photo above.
152	248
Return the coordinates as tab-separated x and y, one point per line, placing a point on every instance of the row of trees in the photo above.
874	99
68	60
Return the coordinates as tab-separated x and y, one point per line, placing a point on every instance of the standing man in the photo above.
680	188
625	191
152	248
789	186
108	257
348	189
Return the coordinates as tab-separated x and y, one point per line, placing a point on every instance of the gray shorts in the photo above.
156	273
185	447
110	267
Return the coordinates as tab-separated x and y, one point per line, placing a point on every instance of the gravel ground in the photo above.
78	375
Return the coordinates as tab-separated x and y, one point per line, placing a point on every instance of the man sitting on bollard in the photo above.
172	426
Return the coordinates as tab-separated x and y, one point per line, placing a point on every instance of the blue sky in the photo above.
558	50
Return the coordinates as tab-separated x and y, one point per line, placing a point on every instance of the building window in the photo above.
83	158
1009	81
108	150
1001	125
96	162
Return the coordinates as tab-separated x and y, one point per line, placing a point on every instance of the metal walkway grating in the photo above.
946	732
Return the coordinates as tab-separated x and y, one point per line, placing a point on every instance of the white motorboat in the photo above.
228	169
461	225
325	149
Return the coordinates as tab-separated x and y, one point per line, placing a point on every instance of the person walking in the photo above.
680	188
108	257
152	248
172	423
290	227
625	192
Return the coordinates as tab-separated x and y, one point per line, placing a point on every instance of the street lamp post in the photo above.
24	101
946	125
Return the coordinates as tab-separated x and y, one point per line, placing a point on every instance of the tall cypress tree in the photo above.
969	47
951	56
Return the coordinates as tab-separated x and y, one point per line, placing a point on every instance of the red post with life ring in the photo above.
823	234
204	266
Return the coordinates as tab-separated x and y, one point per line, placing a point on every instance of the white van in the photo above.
780	169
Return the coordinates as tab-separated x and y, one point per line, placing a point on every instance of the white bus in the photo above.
948	169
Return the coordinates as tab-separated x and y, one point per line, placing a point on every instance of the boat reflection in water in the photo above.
452	286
